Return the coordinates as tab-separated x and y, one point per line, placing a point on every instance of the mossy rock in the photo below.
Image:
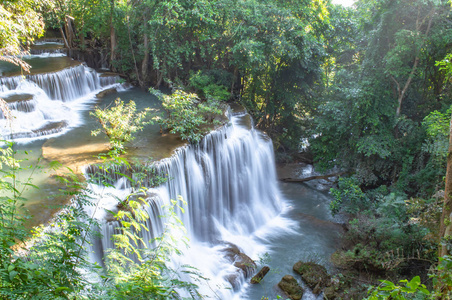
290	286
313	274
330	293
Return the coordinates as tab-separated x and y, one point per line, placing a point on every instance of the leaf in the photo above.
12	275
414	283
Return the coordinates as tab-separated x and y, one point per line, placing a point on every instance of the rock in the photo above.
330	293
317	290
290	286
312	274
106	92
240	260
259	276
234	280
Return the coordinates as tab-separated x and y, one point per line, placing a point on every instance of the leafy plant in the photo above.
186	114
49	263
442	278
149	274
120	122
412	289
209	88
348	197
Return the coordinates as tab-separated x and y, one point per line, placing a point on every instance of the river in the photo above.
229	180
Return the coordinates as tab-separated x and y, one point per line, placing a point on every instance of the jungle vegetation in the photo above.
365	89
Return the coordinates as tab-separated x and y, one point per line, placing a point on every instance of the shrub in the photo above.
186	114
120	123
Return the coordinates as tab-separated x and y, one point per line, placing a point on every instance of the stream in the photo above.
229	180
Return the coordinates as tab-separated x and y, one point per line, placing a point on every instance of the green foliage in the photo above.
52	264
442	278
383	84
120	123
186	115
348	197
20	23
384	228
208	87
437	125
446	66
412	289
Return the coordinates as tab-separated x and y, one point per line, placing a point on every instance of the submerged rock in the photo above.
289	285
315	275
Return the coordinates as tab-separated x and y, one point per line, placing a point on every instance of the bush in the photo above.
384	229
186	114
120	123
211	85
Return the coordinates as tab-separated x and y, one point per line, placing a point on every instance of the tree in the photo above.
20	24
445	232
446	216
186	114
120	123
380	97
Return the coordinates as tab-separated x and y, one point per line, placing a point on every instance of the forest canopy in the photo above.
365	90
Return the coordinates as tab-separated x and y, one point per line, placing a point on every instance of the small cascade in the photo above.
20	102
229	183
46	104
66	85
48	51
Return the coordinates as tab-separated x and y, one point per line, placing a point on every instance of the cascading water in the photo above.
49	103
229	183
66	85
228	180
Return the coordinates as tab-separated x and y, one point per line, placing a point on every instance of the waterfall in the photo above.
229	183
46	104
48	52
66	85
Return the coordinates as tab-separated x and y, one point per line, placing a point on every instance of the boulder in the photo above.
313	274
106	92
291	288
240	260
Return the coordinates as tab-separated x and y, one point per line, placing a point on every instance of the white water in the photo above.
229	183
58	98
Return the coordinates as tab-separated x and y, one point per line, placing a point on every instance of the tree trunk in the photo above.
66	44
312	177
70	34
112	36
259	276
145	62
402	92
446	225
